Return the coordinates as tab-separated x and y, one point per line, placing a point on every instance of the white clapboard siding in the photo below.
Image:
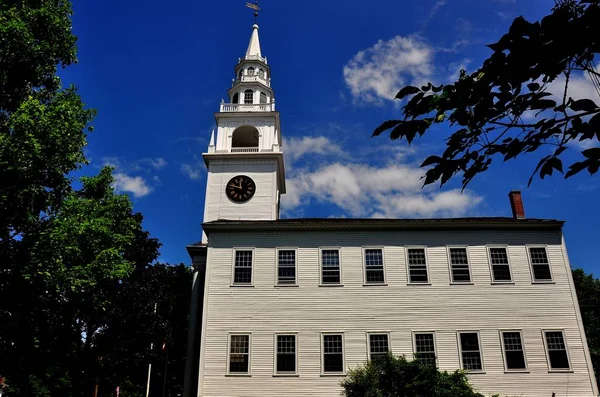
400	309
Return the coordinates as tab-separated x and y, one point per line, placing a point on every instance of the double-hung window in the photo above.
556	350
540	265
500	265
286	267
239	354
459	265
514	353
470	351
417	266
333	353
242	268
424	348
374	272
330	266
286	354
379	346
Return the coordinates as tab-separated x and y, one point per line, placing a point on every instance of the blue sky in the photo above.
157	71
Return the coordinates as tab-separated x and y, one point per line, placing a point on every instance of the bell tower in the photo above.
246	174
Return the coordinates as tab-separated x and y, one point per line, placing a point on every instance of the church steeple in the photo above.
246	151
254	45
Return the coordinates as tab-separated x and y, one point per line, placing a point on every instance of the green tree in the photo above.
487	109
399	377
588	295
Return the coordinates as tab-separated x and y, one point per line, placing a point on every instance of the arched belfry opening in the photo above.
245	137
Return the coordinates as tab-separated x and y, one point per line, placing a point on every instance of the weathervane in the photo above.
255	7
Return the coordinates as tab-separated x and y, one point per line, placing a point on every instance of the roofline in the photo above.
326	224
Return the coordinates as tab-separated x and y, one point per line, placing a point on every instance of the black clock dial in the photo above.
240	188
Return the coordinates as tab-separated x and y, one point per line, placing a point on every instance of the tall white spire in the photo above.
254	45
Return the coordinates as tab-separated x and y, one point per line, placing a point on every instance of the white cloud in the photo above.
194	172
367	191
436	7
380	71
157	163
295	148
135	185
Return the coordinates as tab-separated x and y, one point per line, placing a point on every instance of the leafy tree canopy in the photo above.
490	108
397	377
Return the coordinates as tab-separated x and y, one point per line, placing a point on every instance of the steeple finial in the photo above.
255	7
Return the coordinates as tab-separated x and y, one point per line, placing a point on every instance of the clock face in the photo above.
240	188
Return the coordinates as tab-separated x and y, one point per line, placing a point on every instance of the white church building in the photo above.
284	307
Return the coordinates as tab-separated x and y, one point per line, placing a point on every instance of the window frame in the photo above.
277	283
364	262
506	369
416	247
533	280
489	255
389	341
229	335
341	282
414	343
562	331
466	248
460	352
275	353
323	373
233	283
248	91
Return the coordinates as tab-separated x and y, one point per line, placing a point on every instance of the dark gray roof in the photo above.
306	224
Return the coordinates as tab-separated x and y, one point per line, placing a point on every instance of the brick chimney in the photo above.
516	203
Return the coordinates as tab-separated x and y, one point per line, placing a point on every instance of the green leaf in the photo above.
386	126
408	90
533	86
593	153
431	160
583	105
541	104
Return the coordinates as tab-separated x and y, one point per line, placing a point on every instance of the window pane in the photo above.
330	263
263	97
471	355
417	266
513	350
248	95
540	264
374	266
239	353
243	267
500	267
460	265
286	353
425	349
333	358
557	350
286	273
378	346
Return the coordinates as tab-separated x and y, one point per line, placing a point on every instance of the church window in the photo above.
250	71
286	354
424	345
242	271
330	267
379	346
500	266
540	266
417	265
470	351
286	267
236	98
333	353
239	354
248	97
514	355
263	97
240	74
556	350
261	72
374	273
459	265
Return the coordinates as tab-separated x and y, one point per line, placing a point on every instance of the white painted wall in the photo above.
264	125
398	308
